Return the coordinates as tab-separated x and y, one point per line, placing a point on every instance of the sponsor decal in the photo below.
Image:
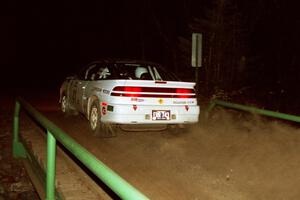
97	89
179	102
187	107
110	108
137	99
103	110
134	107
103	104
106	91
160	101
183	102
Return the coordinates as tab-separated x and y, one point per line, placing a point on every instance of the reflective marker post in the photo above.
196	55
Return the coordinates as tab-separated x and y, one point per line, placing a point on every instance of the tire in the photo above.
97	127
64	105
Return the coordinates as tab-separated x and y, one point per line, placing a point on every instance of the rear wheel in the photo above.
97	127
64	104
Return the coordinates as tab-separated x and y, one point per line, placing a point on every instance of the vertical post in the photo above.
18	148
197	79
51	157
16	122
196	60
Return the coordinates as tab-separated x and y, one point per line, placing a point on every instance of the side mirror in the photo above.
71	77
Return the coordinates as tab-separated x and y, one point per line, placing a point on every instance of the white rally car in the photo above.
112	94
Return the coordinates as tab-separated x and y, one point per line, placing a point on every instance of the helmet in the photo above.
103	73
139	71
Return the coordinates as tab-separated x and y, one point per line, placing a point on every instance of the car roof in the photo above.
118	61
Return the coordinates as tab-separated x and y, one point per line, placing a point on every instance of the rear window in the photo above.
143	72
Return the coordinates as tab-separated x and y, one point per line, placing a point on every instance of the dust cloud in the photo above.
230	156
242	156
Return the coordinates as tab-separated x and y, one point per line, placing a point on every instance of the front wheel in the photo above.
97	127
65	106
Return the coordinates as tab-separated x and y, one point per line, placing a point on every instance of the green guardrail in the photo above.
251	109
117	184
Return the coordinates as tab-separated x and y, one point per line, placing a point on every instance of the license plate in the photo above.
160	115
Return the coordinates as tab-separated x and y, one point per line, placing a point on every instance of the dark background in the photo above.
246	44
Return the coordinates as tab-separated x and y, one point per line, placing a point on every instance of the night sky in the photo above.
44	42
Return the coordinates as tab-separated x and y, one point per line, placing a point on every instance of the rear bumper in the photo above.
125	114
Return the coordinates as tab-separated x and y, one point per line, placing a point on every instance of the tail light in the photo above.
184	93
127	91
132	89
154	92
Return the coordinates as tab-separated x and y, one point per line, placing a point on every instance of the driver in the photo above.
140	72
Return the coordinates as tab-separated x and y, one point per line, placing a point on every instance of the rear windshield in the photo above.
143	72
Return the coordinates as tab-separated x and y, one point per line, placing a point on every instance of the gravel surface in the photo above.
14	181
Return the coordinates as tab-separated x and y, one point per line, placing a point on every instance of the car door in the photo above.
98	75
81	97
73	92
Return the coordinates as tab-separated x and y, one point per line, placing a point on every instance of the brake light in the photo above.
132	89
184	93
129	91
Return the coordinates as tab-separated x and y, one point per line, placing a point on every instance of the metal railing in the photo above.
117	184
251	109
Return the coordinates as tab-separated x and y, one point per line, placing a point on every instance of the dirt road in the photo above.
229	157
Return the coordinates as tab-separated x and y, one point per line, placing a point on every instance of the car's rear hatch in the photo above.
154	92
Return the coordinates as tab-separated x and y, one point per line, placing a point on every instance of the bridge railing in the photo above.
251	109
117	184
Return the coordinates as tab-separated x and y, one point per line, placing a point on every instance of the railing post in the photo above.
51	157
211	105
18	148
120	186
